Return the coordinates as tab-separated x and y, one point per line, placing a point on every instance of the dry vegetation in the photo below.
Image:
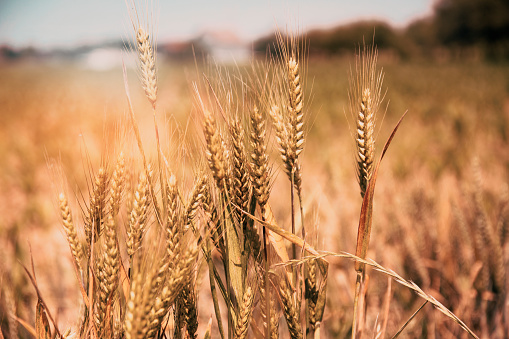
226	204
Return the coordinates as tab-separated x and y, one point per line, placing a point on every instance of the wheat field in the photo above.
183	199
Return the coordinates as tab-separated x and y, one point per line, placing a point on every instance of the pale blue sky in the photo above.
50	23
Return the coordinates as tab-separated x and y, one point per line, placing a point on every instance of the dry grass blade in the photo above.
41	300
208	330
284	234
409	320
26	325
396	277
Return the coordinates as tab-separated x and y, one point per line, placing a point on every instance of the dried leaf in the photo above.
42	327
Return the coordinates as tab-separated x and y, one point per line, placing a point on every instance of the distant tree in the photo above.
344	39
422	32
467	22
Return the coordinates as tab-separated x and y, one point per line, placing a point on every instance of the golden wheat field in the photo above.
195	231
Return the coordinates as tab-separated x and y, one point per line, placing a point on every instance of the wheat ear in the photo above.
489	235
94	220
213	221
173	223
109	269
260	159
240	171
138	216
290	311
140	303
70	231
244	318
175	281
296	107
191	311
311	294
195	200
215	150
268	309
365	140
148	66
118	182
365	98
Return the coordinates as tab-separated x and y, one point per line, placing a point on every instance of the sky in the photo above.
70	23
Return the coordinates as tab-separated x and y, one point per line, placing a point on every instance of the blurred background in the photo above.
228	29
62	96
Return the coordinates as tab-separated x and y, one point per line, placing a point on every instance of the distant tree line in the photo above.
457	28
